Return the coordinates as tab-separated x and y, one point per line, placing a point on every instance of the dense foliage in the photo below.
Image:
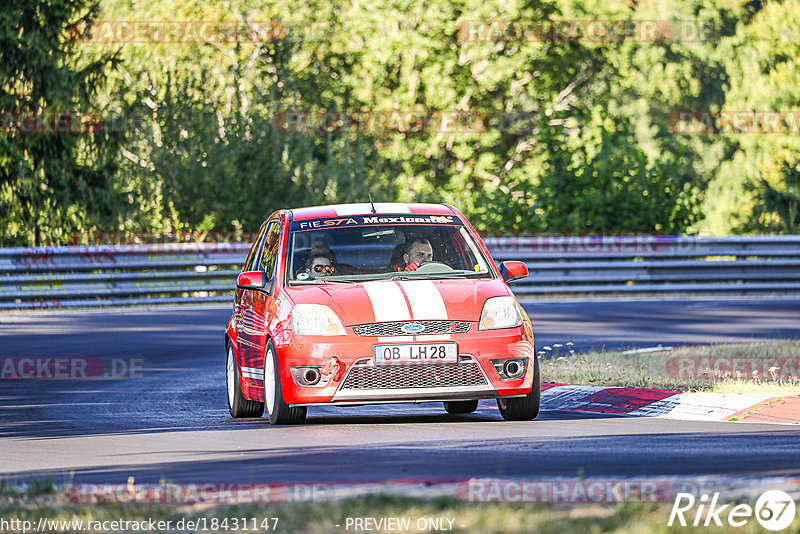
560	135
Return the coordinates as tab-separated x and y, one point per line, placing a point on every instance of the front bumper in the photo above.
358	380
366	381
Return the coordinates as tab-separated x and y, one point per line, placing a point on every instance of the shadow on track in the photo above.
772	453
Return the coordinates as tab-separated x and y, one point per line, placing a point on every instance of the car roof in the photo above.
364	208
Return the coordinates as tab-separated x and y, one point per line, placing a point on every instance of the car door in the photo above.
243	299
255	305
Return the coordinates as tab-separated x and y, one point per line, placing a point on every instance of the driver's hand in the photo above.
413	266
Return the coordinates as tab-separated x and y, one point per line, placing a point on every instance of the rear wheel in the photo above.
523	408
279	412
238	405
457	407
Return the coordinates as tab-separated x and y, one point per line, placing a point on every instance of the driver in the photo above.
418	251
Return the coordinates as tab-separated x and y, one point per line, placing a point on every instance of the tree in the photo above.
602	182
55	158
763	64
211	137
777	208
543	149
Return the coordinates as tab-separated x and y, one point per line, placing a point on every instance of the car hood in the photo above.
386	300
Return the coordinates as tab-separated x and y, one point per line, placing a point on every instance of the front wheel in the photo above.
523	408
238	404
279	412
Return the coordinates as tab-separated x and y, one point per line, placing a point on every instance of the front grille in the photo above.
414	376
394	328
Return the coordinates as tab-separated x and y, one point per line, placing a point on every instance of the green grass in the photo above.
684	369
324	517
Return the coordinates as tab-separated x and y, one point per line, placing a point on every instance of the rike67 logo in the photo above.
774	510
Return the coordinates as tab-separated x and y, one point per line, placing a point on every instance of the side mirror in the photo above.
513	270
250	280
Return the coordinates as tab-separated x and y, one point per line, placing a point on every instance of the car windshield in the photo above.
362	248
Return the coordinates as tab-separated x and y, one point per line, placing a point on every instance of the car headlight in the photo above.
500	312
316	320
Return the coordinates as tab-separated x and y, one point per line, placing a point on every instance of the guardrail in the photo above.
737	265
83	276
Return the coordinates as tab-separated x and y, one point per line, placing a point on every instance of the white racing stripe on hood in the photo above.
388	302
426	300
426	304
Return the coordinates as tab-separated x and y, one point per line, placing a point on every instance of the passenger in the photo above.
320	263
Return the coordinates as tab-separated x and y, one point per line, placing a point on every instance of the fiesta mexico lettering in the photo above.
333	222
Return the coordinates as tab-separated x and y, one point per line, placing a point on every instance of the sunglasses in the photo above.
326	268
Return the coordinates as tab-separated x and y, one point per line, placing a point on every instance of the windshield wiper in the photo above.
317	282
451	275
322	282
436	276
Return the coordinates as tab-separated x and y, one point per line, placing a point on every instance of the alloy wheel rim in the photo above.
230	375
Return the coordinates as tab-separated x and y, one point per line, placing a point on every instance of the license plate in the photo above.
416	353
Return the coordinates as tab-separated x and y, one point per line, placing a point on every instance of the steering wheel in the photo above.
433	267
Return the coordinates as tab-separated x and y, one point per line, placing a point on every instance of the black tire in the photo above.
279	412
460	407
523	408
238	405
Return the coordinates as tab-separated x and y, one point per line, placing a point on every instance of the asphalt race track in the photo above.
626	324
173	421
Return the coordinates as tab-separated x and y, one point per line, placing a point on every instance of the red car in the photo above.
359	304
